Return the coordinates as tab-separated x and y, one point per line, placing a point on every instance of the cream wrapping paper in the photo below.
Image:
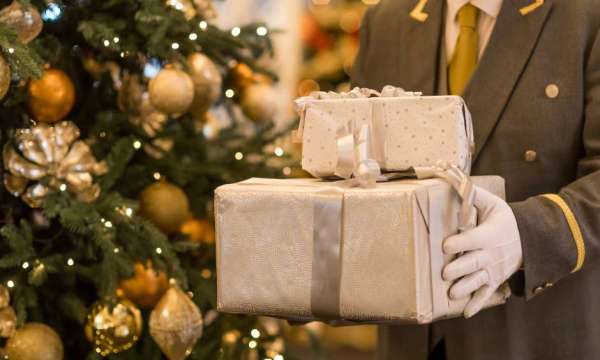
406	130
390	258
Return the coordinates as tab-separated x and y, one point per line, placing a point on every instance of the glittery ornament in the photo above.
26	21
207	82
176	324
259	102
52	153
146	286
51	97
113	326
166	205
5	76
35	341
8	322
171	91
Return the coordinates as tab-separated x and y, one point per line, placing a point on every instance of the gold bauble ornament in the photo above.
35	341
51	97
207	82
8	322
176	324
4	297
171	91
26	21
200	231
242	76
259	102
113	326
5	77
48	157
146	287
166	205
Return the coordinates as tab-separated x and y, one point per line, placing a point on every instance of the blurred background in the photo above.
316	42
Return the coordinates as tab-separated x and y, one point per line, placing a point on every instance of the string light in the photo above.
10	284
116	40
203	25
108	224
229	93
236	31
25	265
11	50
262	31
129	212
106	43
206	273
252	344
156	176
52	12
193	36
158	250
239	156
174	46
116	250
278	357
122	54
152	68
62	187
137	144
255	333
278	151
70	262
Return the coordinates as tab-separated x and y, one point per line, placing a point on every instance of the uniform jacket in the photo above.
535	101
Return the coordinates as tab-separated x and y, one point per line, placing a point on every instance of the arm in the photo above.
560	233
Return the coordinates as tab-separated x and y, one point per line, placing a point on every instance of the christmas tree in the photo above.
112	148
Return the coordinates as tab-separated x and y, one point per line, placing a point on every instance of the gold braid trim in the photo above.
574	226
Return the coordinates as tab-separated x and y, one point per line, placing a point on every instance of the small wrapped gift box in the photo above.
304	249
405	130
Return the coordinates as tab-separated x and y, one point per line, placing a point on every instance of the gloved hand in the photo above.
488	254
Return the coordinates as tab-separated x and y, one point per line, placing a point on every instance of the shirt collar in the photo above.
490	7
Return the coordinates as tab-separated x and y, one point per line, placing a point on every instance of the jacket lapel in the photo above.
508	51
418	61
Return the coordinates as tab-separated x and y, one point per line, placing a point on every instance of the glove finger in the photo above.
465	264
484	200
468	285
478	301
473	239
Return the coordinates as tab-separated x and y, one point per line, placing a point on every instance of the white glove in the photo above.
488	254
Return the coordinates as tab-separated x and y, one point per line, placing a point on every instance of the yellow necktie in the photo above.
465	56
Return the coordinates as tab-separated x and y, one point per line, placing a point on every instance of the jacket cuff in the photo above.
549	250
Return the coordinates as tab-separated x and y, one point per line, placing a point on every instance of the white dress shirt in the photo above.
489	10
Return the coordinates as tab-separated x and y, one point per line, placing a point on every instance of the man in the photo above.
530	74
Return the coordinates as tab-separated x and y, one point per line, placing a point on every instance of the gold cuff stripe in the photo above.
574	226
531	7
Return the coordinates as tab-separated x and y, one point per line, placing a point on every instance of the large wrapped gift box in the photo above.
406	130
305	249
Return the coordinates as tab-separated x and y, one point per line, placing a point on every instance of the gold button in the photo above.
538	290
548	285
530	155
552	91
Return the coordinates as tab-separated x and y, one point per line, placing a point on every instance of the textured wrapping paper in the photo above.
405	131
275	256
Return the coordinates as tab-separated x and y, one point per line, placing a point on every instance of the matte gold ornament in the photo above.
259	102
113	326
176	324
146	287
26	21
200	231
8	322
35	341
166	205
51	97
52	153
242	76
5	77
4	297
207	82
171	91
